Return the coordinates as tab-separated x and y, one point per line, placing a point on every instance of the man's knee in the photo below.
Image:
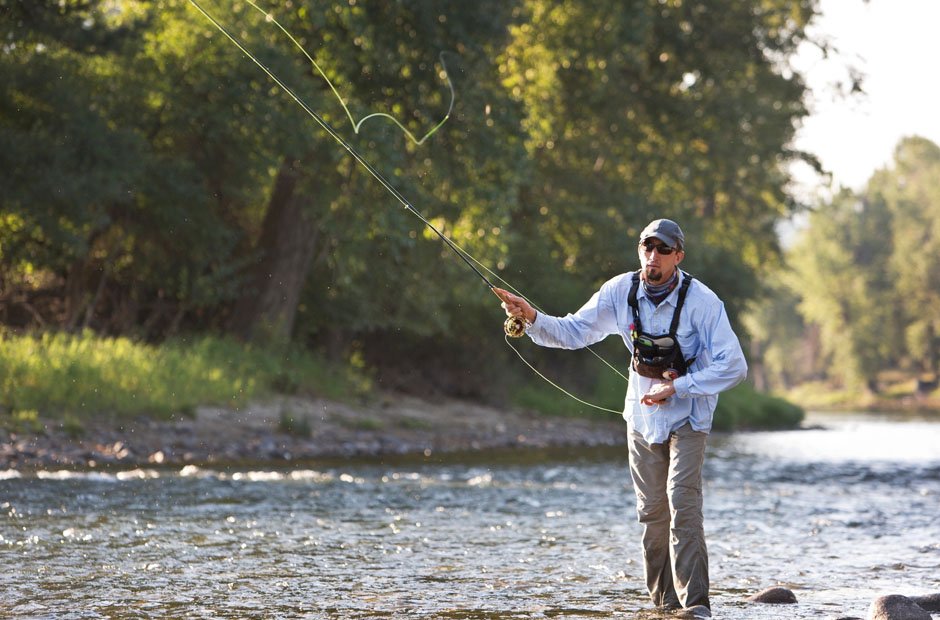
685	506
653	511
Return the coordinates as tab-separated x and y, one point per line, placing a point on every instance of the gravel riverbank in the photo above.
285	429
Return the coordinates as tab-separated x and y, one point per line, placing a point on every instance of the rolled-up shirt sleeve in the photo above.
722	364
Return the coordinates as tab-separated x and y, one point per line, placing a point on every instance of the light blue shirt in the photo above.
704	334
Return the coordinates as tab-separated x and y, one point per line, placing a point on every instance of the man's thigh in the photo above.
649	468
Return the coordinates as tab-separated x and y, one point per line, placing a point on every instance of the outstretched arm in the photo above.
594	321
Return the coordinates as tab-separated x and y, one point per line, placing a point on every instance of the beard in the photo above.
653	275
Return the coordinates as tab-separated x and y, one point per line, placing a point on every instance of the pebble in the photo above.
774	596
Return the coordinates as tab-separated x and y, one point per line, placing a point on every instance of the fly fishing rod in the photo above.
513	330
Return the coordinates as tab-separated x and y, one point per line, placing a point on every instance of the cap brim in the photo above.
671	242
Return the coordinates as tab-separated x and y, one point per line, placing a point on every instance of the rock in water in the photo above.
774	596
931	602
896	607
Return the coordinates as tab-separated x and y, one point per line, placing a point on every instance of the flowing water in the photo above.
839	514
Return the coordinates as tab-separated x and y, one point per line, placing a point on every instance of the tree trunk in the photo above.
75	294
757	370
929	378
268	307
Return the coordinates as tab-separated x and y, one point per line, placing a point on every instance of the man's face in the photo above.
657	260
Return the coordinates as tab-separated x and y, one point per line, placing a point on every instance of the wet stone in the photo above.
930	602
774	596
896	607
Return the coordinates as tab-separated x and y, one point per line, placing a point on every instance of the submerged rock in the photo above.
774	596
896	607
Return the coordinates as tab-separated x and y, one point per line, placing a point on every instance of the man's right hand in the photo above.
515	305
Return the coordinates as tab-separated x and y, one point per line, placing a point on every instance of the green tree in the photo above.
328	223
65	166
641	109
157	180
864	274
844	280
118	192
782	351
909	190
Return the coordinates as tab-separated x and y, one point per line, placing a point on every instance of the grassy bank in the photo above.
65	377
71	377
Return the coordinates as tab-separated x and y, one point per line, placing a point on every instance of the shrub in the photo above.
745	408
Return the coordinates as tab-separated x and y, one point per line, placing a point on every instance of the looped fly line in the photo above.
467	258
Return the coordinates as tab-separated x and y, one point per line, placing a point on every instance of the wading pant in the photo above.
667	478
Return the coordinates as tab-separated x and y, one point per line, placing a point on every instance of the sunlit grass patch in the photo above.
821	395
25	421
897	390
58	374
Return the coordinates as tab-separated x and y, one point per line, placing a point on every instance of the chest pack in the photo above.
658	356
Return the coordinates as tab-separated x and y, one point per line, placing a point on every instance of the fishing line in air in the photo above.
477	266
342	142
356	125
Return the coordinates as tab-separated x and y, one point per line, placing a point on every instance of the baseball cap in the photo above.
666	231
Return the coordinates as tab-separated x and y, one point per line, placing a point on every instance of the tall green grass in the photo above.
58	375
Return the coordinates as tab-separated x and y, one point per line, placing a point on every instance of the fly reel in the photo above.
515	326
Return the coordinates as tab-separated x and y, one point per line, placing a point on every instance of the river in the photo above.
840	512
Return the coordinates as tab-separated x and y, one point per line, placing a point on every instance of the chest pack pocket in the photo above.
658	357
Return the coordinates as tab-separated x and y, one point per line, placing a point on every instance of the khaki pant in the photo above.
667	478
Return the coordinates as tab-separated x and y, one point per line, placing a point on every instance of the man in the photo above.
684	354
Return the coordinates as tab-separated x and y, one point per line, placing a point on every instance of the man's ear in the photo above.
679	256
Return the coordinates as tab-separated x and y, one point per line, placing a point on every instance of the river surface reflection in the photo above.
839	513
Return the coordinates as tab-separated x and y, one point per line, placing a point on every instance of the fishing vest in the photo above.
658	357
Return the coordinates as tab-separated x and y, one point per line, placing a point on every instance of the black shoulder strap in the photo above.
683	291
634	305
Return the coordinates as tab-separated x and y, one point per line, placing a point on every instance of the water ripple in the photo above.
459	540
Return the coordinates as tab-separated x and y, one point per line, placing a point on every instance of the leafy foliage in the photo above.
864	279
157	183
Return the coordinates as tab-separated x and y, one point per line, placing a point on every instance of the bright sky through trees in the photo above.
895	44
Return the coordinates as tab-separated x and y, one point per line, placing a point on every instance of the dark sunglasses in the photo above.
664	250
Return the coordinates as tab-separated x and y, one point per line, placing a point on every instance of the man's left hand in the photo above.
658	394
